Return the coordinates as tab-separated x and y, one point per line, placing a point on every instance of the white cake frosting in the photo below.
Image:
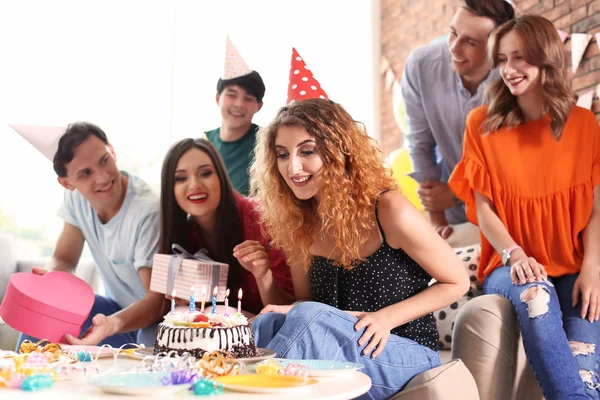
229	332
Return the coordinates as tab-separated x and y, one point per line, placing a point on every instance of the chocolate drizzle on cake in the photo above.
175	336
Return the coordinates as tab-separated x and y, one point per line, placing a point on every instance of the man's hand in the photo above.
444	231
178	301
102	327
38	271
441	226
436	196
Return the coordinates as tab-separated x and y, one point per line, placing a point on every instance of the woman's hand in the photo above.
377	331
252	256
525	269
587	286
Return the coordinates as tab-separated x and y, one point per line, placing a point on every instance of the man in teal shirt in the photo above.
239	98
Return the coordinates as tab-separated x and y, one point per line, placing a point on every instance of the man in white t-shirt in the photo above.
117	214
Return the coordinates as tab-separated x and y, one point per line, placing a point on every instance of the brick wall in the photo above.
408	24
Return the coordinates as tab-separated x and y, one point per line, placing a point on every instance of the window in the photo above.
146	72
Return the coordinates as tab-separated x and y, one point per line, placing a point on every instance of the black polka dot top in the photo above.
386	277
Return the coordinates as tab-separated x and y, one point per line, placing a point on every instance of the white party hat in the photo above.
235	66
44	138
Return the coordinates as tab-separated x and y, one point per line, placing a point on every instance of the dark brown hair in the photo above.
539	45
175	223
76	133
499	11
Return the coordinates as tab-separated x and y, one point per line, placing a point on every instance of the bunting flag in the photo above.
598	91
598	39
385	64
586	100
390	78
563	35
579	43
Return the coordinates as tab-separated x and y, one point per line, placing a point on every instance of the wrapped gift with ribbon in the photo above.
181	271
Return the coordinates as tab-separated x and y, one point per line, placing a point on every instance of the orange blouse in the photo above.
542	188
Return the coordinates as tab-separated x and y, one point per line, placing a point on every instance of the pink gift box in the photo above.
47	306
187	273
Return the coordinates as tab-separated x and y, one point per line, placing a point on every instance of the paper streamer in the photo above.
586	99
579	43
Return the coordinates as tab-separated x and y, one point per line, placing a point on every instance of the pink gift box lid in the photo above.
56	296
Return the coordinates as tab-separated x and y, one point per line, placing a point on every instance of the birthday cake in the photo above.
197	333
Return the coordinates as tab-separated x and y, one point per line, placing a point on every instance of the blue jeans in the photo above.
321	332
549	326
106	306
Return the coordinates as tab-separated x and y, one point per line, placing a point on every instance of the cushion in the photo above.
447	382
465	234
445	317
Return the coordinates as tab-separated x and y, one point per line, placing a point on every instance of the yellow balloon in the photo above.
401	166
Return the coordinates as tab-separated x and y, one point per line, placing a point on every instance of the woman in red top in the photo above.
199	209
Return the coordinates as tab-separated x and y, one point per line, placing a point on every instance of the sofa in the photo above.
9	264
486	338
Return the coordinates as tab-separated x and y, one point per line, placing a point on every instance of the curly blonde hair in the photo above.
353	177
540	45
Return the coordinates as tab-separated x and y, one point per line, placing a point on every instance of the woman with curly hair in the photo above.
356	247
529	177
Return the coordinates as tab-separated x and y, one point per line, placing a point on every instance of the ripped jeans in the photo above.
559	344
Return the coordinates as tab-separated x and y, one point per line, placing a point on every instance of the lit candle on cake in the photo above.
214	299
173	301
203	298
240	301
227	301
192	301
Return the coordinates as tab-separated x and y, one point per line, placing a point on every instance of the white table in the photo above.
339	388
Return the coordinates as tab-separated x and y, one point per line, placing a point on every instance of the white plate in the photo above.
261	355
141	383
323	368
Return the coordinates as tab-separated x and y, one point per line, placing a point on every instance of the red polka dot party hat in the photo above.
303	84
